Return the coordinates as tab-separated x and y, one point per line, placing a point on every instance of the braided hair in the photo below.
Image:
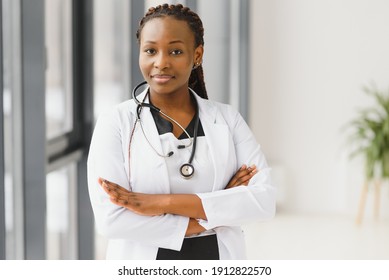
179	12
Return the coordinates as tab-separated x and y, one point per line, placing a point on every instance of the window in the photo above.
61	217
111	53
45	148
59	85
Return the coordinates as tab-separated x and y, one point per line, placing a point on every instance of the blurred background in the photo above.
294	69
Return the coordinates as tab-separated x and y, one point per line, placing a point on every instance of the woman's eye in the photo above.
150	51
176	52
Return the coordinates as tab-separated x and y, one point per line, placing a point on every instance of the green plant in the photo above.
371	134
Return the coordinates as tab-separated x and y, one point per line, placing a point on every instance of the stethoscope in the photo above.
186	170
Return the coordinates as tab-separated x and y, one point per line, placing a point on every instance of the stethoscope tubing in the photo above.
152	107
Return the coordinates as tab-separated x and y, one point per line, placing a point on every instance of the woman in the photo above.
171	174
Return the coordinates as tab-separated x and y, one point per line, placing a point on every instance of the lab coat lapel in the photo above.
216	133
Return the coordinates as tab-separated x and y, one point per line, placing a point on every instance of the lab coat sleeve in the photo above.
106	159
243	204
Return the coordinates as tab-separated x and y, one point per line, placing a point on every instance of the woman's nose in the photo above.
161	61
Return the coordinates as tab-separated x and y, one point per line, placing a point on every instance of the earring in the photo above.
196	65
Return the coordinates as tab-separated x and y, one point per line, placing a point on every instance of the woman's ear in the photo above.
198	55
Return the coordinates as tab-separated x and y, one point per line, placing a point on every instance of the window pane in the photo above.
111	52
61	220
58	41
10	82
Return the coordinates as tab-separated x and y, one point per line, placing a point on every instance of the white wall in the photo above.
309	61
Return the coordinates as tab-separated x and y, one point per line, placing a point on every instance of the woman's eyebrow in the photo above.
171	42
176	41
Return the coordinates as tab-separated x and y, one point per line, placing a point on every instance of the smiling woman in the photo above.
167	57
142	199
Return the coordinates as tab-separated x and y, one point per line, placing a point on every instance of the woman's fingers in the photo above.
244	180
120	201
245	176
242	176
241	172
119	195
114	190
138	203
234	178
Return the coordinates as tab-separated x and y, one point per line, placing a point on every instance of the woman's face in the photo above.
167	54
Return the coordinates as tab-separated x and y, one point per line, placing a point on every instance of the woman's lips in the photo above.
162	79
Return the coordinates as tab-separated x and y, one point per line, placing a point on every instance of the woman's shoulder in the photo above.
125	107
120	111
219	108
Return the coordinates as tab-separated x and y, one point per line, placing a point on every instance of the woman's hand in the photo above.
194	227
139	203
242	176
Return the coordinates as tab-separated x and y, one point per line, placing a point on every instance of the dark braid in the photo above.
179	12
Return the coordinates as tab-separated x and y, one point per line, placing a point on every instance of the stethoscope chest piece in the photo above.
187	170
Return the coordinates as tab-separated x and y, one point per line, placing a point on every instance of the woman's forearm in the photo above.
188	205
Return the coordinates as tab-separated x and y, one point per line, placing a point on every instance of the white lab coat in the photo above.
231	144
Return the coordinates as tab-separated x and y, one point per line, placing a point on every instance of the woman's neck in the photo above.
172	102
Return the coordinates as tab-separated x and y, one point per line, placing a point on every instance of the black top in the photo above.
165	126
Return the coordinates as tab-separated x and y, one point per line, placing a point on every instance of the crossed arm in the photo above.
188	205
